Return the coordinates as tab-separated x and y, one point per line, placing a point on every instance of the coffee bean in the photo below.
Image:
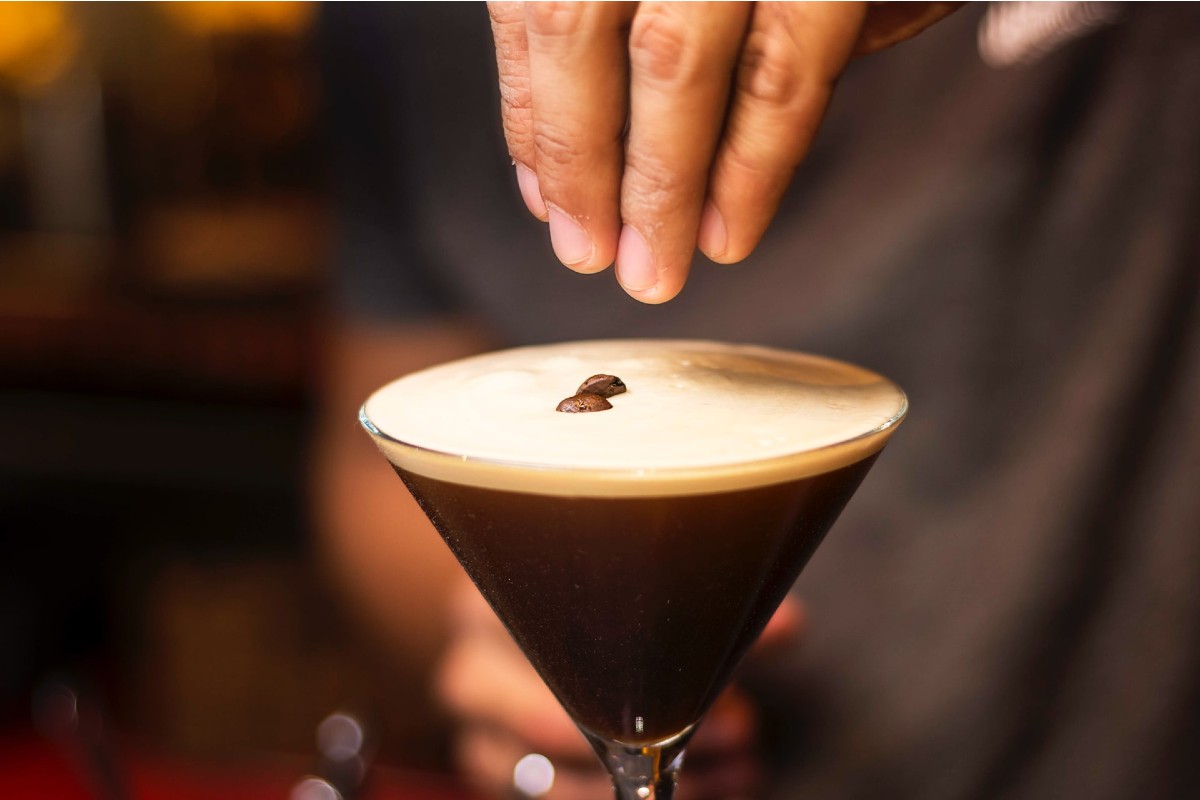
584	402
603	385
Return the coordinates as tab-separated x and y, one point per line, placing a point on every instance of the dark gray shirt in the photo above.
1010	606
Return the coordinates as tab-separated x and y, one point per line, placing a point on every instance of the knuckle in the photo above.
555	18
768	71
650	186
746	159
660	48
553	146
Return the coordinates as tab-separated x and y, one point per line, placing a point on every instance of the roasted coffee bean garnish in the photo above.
603	385
584	402
593	394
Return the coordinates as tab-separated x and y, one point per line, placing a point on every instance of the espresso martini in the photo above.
635	552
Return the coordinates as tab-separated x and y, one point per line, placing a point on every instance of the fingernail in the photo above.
713	238
571	242
635	265
531	191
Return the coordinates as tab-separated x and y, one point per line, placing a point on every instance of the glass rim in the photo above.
606	481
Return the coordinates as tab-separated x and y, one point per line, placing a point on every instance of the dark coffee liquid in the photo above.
636	609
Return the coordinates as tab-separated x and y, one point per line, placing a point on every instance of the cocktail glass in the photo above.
636	553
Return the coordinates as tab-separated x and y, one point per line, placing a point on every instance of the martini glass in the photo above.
635	553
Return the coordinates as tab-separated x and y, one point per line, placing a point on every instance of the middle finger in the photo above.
681	60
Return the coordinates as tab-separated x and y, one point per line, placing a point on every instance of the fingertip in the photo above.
572	243
721	246
654	296
712	237
639	272
723	243
635	263
729	256
531	191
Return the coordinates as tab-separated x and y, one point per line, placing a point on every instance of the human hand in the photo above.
506	712
641	131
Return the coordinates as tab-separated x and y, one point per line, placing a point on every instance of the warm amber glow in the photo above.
37	42
233	17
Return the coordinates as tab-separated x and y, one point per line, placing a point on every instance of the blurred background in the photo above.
164	228
170	352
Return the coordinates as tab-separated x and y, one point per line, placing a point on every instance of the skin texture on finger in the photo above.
681	64
793	55
516	98
578	70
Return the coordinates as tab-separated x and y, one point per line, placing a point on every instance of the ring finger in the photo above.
792	57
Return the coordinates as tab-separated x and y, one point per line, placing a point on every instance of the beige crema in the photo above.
697	417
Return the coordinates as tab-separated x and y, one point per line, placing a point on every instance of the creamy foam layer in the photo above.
697	417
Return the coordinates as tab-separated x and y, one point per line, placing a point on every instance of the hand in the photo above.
643	130
507	712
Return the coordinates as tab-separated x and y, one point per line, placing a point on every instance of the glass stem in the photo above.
642	772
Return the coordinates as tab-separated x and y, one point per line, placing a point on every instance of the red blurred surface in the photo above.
33	769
